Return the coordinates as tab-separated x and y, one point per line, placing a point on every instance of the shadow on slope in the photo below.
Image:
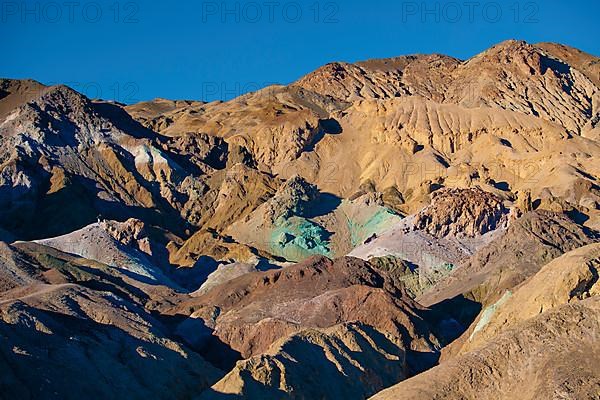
79	358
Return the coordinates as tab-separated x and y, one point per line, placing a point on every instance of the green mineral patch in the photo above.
362	228
487	314
297	238
447	266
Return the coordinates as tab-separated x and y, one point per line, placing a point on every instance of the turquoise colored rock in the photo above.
447	266
297	238
382	219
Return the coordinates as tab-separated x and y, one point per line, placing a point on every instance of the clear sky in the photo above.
207	50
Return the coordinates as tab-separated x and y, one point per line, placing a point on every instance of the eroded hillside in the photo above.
414	227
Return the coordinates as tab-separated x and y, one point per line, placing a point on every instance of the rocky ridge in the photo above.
185	249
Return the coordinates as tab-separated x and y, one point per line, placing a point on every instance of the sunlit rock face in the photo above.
413	227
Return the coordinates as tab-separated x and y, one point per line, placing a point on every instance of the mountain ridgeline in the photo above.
419	227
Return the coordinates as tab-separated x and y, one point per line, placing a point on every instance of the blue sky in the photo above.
207	50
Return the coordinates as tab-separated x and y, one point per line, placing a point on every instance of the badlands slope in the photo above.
415	227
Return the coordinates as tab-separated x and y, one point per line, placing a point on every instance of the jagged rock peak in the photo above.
462	212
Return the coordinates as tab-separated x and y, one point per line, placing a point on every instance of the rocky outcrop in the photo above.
584	62
462	212
528	244
209	243
129	233
293	198
379	79
299	221
508	76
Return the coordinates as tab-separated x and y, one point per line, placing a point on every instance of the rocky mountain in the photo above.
414	227
528	243
545	348
359	360
250	312
70	322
